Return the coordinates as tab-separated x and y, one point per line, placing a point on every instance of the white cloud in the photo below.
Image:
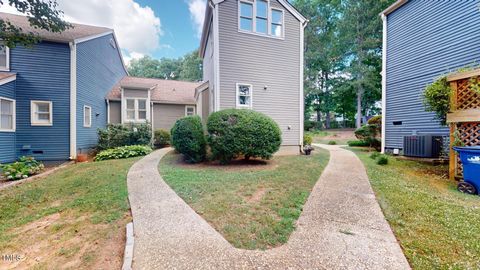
137	28
197	14
127	57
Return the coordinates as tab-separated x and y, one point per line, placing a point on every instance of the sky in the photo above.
158	28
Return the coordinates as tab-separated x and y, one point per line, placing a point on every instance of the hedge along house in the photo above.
422	40
252	54
52	96
159	102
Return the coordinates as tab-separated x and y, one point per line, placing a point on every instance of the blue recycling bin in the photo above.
470	157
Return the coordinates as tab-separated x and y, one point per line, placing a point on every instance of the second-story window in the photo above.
246	16
277	23
261	18
4	57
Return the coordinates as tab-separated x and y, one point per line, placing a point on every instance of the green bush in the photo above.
307	139
234	133
376	120
368	134
161	138
124	152
117	135
358	143
382	160
332	143
374	155
308	125
436	98
188	138
23	168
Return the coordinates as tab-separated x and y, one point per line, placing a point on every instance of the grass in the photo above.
253	207
67	218
437	226
340	137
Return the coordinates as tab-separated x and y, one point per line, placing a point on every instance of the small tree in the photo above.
436	98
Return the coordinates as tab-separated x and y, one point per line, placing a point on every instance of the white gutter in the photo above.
394	7
384	82
73	100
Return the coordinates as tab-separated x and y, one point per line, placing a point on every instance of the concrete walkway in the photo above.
341	226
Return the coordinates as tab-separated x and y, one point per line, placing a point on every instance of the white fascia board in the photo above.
384	82
84	39
9	79
73	100
394	7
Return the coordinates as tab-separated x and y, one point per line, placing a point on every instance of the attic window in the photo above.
257	17
4	57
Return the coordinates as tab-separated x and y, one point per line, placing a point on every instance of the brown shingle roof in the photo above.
163	91
6	75
69	35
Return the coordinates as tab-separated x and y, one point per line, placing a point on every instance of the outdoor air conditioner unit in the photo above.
425	146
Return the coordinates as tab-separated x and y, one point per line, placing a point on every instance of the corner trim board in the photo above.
73	100
384	82
216	46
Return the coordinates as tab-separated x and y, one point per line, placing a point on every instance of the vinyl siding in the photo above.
99	68
208	74
43	73
425	39
262	61
7	139
165	115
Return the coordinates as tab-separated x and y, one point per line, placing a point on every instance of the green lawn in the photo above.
438	227
254	207
339	136
74	217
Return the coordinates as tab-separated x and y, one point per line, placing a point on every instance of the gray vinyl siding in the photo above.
131	93
115	112
262	61
425	39
208	71
165	115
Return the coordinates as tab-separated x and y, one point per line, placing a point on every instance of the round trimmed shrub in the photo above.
161	138
188	138
239	132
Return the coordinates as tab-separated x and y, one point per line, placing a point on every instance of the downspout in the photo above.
73	100
384	82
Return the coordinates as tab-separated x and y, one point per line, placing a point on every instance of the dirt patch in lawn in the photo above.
258	195
234	165
64	241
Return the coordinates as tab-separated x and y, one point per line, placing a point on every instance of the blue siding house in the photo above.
52	96
422	41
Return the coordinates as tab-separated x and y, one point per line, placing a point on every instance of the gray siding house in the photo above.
252	54
422	41
159	102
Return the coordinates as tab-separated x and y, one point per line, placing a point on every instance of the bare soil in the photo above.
235	165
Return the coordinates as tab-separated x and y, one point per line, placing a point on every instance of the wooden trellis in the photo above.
465	117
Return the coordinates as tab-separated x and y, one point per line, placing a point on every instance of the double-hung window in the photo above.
7	114
136	110
277	23
258	17
189	110
261	17
246	16
41	113
244	95
4	57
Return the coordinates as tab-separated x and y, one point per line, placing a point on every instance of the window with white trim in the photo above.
4	57
189	110
261	17
244	95
87	116
246	16
257	17
7	114
136	109
277	23
41	113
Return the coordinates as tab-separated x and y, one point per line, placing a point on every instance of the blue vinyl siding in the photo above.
43	73
7	139
99	68
425	39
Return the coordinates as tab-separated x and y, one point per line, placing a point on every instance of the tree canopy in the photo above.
41	15
343	46
186	68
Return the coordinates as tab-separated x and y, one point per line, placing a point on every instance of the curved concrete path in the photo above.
341	226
